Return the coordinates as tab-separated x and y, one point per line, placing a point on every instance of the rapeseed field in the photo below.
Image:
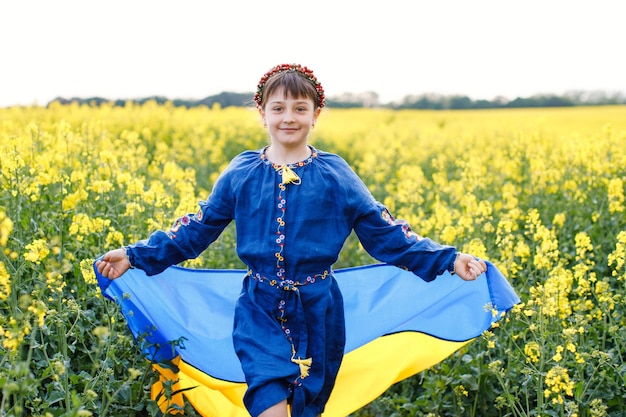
538	192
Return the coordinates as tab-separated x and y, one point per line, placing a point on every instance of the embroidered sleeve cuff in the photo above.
451	268
130	257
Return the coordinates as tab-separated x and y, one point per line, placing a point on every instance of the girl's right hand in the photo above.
113	264
469	267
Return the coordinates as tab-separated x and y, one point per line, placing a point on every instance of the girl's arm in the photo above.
186	239
393	241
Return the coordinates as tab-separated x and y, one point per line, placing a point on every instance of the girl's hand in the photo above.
113	264
469	267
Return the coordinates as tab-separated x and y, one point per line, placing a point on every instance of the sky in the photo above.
191	49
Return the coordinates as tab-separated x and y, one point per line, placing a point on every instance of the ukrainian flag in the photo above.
397	325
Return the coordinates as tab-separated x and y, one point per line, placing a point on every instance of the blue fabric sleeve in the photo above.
189	236
393	241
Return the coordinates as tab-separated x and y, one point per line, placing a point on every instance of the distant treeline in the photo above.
429	101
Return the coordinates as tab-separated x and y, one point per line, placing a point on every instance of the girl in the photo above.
294	207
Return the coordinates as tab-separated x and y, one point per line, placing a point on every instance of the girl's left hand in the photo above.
113	264
469	267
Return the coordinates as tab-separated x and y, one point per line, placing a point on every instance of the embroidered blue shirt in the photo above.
289	330
306	225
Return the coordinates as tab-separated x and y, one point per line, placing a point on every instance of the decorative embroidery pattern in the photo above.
406	228
183	221
281	281
287	176
294	165
291	286
288	284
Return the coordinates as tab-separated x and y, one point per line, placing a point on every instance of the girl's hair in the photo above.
295	80
293	84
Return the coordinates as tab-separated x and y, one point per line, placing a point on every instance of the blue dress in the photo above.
289	331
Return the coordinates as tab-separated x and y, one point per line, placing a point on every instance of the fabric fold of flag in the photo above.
397	325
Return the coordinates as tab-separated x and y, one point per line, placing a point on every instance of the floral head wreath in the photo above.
304	71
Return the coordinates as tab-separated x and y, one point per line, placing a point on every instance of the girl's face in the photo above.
288	119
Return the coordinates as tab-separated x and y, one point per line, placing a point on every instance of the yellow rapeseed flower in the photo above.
496	364
598	408
134	186
87	271
532	352
518	308
82	225
559	219
133	208
39	309
558	382
617	258
12	162
5	282
102	333
78	177
547	252
554	293
616	195
570	333
71	200
522	250
448	234
114	238
584	247
134	373
604	294
476	247
6	227
157	196
460	390
58	367
490	338
37	251
558	356
55	282
101	186
14	336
